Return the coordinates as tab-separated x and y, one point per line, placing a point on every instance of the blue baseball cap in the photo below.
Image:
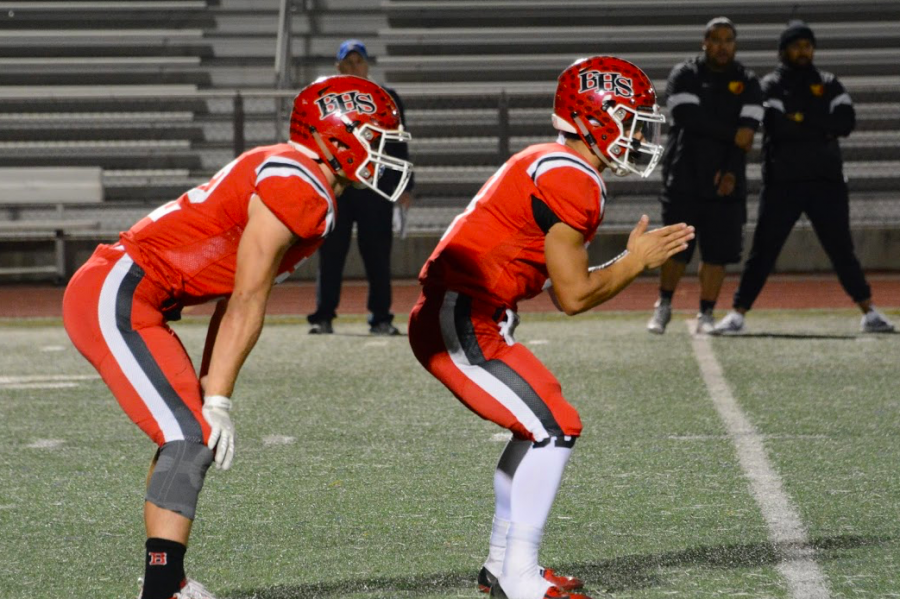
349	46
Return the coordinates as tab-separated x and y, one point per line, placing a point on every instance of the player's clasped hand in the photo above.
216	410
654	247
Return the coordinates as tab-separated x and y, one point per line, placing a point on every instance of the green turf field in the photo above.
358	476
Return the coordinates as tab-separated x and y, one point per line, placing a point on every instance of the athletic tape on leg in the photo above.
178	477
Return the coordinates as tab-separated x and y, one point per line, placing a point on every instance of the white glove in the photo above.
221	437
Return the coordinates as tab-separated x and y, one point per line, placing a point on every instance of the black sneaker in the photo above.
383	328
322	327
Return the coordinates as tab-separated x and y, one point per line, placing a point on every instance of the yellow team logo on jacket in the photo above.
736	87
817	89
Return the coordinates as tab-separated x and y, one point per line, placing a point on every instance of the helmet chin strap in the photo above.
327	154
592	143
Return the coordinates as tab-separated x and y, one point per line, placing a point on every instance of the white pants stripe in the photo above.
481	377
107	315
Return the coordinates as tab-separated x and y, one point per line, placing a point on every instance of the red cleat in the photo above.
558	593
566	583
551	593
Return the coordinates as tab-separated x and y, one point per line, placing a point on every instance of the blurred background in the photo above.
111	108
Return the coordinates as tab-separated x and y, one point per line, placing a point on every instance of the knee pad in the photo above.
178	477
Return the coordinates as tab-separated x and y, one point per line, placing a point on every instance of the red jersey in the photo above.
189	246
494	250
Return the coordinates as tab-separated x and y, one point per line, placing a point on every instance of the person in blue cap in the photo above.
374	218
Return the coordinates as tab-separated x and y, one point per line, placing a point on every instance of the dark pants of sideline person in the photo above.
827	206
373	216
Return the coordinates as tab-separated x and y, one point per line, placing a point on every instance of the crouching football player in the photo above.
530	221
233	238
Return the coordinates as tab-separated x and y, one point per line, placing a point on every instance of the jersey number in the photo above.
197	195
484	189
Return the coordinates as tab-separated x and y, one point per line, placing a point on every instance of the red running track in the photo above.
781	292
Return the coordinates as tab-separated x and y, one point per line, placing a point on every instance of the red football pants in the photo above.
458	340
112	313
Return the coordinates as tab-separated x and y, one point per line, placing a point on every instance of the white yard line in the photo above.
786	532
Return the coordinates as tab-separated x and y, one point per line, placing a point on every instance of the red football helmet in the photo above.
611	105
348	121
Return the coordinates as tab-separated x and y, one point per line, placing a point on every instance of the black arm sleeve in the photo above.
543	215
736	159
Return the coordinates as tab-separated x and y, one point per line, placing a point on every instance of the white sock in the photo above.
521	578
534	486
506	467
497	550
536	482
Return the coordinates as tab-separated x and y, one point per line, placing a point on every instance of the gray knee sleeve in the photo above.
178	477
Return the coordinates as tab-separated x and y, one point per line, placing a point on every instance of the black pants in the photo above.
827	206
373	216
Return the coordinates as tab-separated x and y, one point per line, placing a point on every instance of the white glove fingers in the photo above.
213	437
229	454
221	436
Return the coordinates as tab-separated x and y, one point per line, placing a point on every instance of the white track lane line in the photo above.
786	532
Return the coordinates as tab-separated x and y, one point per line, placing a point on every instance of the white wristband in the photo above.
608	263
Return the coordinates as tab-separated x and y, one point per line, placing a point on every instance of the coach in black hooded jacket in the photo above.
807	110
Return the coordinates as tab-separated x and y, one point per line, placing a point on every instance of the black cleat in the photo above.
485	580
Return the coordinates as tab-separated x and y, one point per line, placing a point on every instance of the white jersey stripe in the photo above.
839	100
554	160
280	166
752	111
106	314
481	377
283	276
774	103
682	98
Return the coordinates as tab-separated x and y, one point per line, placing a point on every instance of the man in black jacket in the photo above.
807	110
374	218
716	107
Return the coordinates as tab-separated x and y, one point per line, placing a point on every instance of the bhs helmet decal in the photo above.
352	101
348	121
610	104
608	82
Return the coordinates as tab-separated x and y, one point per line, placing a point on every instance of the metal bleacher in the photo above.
161	93
444	54
146	89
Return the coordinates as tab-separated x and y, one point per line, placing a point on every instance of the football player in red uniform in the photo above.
527	226
230	240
